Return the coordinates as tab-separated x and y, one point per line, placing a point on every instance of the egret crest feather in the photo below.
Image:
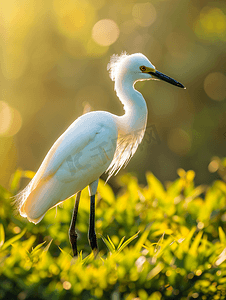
115	61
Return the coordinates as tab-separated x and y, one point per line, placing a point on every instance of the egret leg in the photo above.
92	234
72	233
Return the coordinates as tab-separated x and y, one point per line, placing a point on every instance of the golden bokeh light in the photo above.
74	16
144	14
105	32
17	229
10	120
66	285
5	117
18	16
213	20
211	24
215	86
213	166
179	141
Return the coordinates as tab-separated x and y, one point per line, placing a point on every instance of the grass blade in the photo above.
108	244
13	239
2	235
128	241
120	243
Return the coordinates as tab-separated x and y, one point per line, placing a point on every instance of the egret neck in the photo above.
131	125
135	117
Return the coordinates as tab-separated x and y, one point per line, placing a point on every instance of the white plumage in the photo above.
95	142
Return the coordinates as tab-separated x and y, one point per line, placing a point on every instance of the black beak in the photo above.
166	78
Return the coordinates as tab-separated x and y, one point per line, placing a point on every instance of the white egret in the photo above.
96	142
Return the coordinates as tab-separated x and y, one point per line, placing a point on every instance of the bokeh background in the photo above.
54	55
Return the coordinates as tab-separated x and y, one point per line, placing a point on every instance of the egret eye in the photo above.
143	68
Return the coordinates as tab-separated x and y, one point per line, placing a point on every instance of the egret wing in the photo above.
72	141
86	131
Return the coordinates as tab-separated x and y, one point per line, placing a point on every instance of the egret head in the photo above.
136	67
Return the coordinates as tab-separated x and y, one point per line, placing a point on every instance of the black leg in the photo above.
92	234
72	233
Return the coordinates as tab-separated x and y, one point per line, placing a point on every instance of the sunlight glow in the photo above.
105	32
10	120
215	86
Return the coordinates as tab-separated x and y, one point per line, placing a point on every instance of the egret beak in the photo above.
166	78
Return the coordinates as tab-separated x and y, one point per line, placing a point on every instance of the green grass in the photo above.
155	243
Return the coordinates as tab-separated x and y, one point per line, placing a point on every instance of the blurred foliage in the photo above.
54	55
155	243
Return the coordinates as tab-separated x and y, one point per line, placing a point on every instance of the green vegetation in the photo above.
155	243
